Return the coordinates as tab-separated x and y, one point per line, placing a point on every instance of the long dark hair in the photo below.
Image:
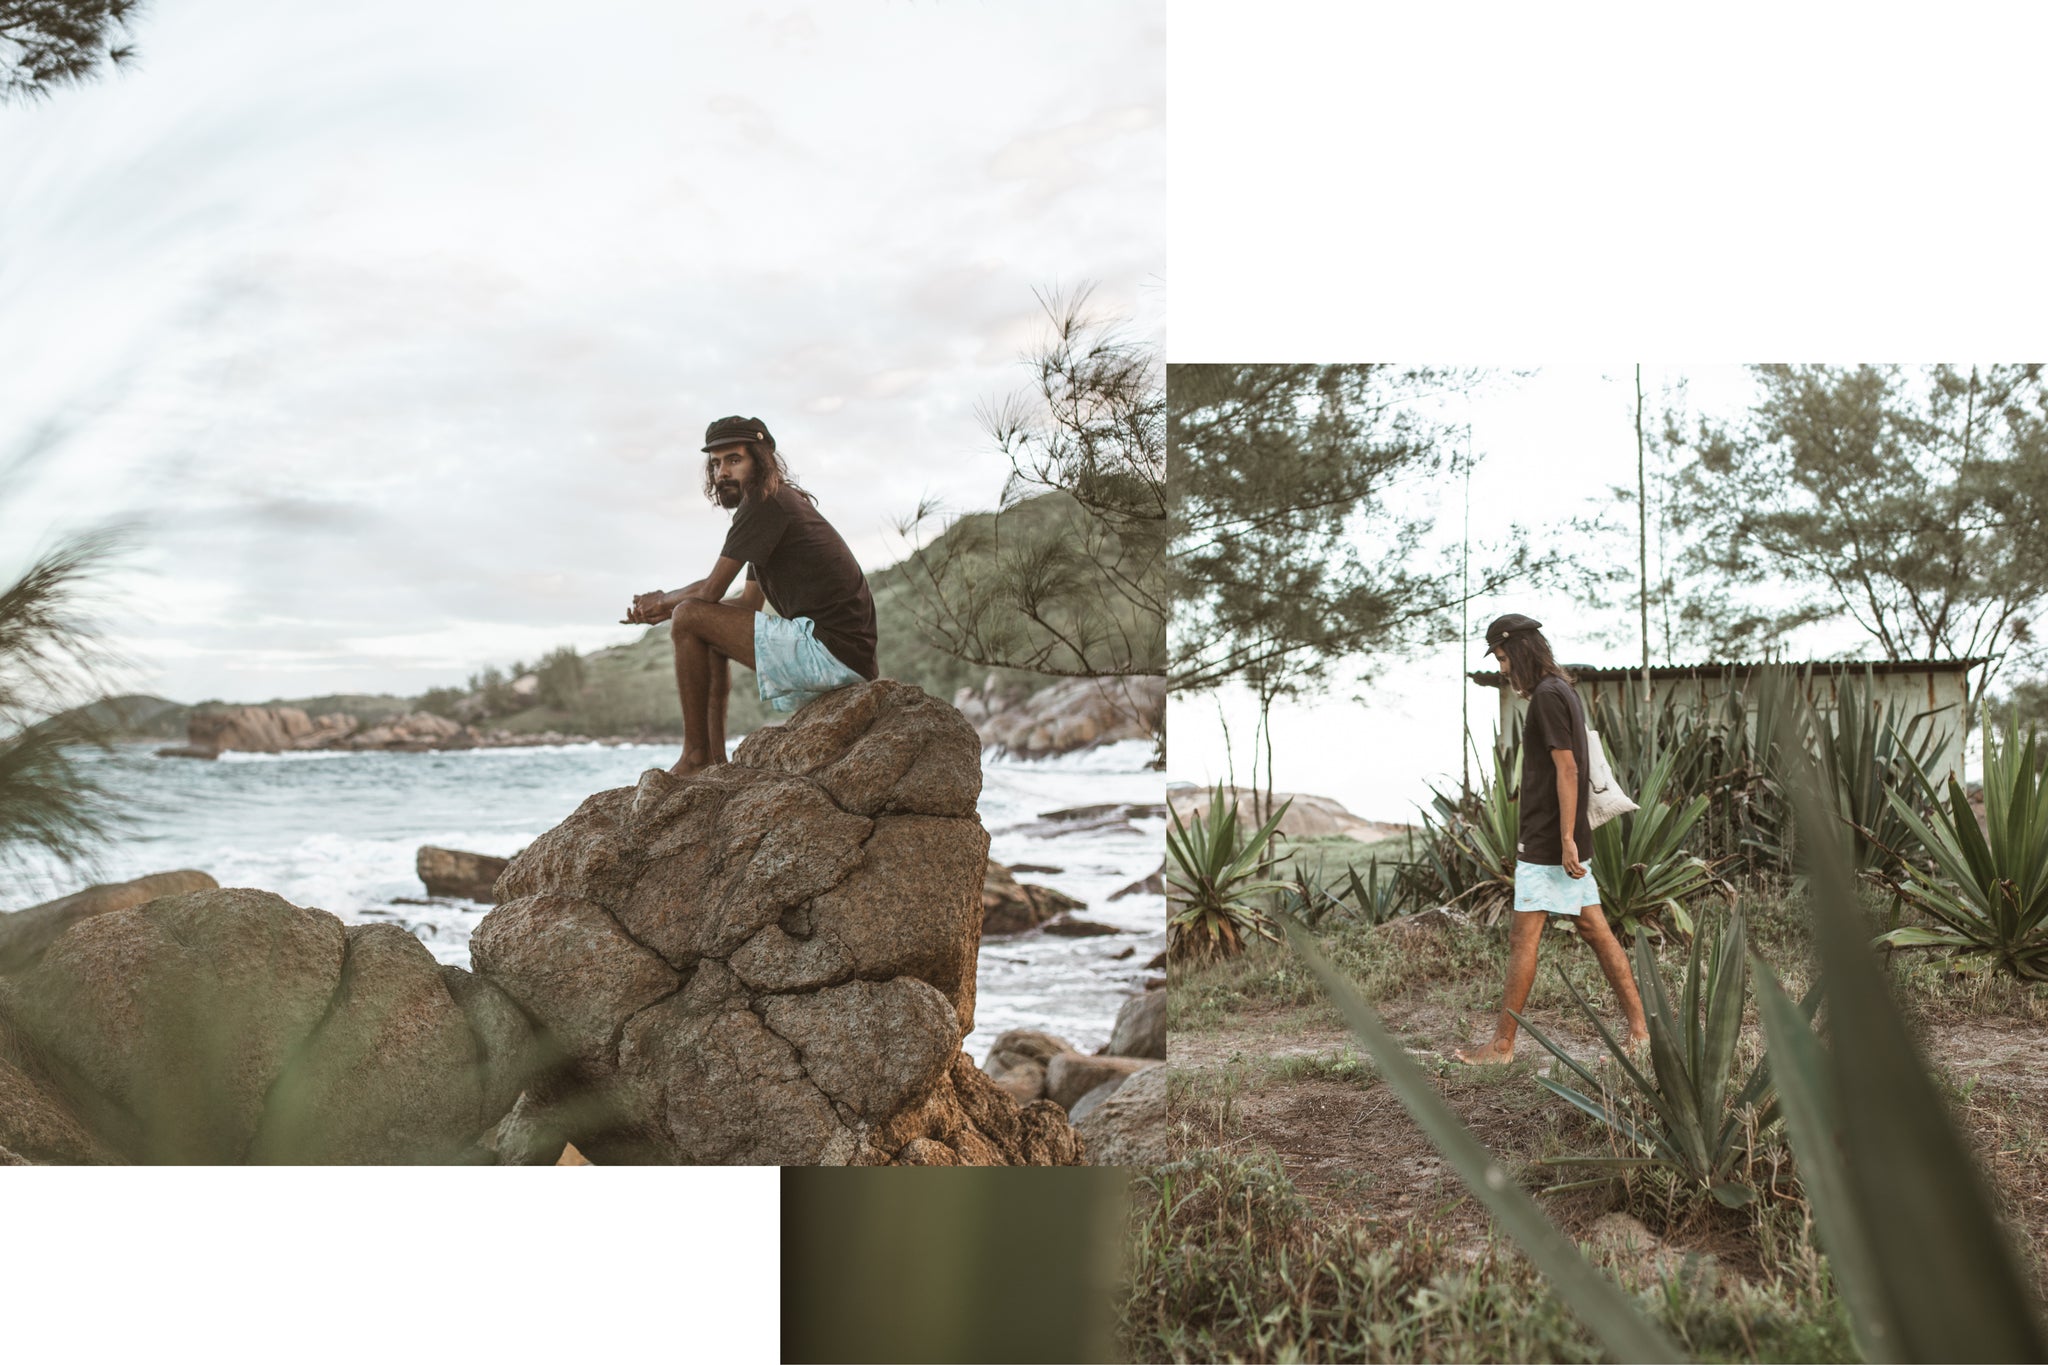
1529	661
768	471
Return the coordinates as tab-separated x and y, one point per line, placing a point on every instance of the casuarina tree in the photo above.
1296	551
1911	500
1078	595
48	43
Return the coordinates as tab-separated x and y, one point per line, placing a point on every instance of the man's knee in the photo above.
689	615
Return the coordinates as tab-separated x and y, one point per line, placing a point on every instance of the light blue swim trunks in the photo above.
1552	890
791	666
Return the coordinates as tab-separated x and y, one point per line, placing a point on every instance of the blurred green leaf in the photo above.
1619	1324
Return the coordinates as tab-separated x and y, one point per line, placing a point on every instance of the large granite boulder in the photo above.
231	1026
24	934
772	961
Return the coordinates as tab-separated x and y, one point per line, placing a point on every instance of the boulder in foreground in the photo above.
25	934
232	1026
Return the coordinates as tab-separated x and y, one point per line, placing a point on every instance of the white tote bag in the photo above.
1608	799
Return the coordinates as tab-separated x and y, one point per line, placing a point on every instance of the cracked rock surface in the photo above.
772	961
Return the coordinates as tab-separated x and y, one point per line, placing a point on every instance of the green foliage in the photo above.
1640	861
439	701
1906	499
1215	873
1902	1208
1227	1262
1703	1125
1868	759
1469	846
48	656
1386	890
1279	476
560	674
1087	598
1714	752
45	44
1987	890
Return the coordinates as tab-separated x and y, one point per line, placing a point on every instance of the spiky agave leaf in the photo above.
1988	887
1903	1211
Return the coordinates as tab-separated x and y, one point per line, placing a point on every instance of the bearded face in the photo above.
732	473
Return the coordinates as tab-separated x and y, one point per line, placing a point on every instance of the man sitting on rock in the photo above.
822	636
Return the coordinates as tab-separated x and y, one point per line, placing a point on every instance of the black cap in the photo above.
726	430
1511	624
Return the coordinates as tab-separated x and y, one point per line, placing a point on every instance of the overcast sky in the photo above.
396	327
1550	447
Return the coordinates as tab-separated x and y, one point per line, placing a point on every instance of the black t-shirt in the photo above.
805	569
1557	720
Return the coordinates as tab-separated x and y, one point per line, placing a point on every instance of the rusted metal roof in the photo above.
1878	667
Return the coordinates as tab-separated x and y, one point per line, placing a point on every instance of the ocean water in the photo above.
339	831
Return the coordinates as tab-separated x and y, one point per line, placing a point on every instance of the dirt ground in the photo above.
1287	1077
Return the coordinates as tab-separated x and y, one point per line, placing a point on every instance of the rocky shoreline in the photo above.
773	962
287	729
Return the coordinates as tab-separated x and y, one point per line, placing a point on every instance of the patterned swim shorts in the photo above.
791	666
1552	890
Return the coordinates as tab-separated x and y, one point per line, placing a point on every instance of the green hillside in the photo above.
630	689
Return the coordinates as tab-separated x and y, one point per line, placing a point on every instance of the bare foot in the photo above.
686	765
1495	1053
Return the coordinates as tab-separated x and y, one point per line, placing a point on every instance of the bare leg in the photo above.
1614	966
1525	935
707	636
720	691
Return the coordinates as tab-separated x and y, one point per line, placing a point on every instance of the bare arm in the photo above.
1567	764
653	607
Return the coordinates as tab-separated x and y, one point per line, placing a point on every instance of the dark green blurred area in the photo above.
951	1265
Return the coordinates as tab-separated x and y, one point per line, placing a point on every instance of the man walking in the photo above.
823	634
1552	871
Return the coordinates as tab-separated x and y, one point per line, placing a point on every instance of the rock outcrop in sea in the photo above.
773	961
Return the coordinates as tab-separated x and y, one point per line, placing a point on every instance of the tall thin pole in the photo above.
1465	626
1643	537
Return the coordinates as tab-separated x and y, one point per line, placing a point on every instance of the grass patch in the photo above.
1227	1265
1326	856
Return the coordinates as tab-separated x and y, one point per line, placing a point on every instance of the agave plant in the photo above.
1701	1117
1868	758
1469	846
1214	877
1640	860
1988	889
1382	893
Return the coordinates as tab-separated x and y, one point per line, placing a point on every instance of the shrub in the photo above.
1214	877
